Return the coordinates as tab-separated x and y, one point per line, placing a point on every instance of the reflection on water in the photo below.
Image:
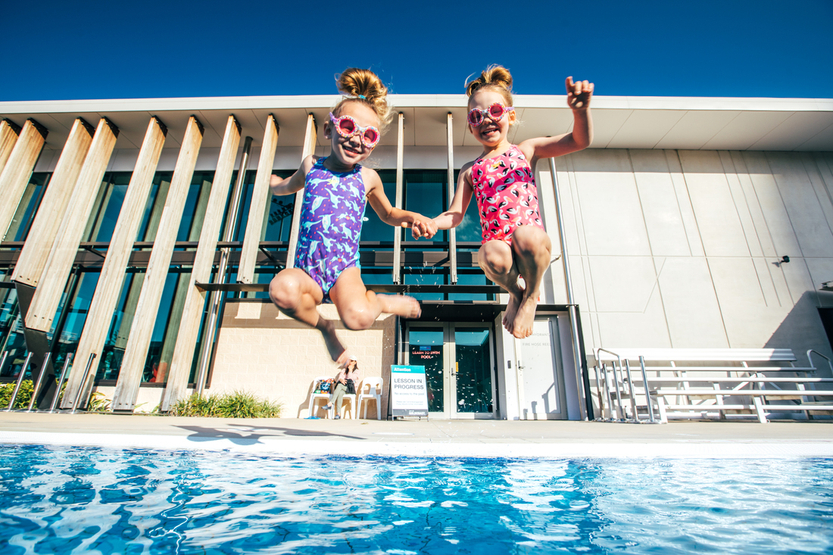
56	500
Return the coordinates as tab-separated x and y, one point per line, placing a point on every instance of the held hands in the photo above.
579	94
421	228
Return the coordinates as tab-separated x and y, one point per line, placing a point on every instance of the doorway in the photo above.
458	368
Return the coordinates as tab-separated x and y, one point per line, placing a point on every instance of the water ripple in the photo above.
56	500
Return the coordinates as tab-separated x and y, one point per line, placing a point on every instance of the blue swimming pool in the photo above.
94	500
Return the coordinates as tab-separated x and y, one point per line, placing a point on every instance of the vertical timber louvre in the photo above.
189	325
58	266
141	330
310	140
108	288
9	132
257	208
54	205
18	169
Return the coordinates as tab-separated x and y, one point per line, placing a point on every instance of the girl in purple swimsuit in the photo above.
336	190
502	180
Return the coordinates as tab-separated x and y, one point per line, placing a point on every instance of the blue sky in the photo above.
150	49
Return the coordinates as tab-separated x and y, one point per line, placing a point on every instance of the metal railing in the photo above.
612	389
38	383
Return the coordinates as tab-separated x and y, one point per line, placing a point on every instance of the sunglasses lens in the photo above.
496	111
475	117
371	136
346	126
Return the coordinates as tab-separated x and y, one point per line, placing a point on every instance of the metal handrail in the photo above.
626	368
83	385
40	380
19	381
61	382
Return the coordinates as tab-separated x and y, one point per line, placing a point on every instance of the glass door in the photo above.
458	368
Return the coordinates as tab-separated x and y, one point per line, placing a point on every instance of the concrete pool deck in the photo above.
454	438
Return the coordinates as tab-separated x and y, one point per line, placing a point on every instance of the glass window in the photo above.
426	349
28	206
374	229
106	213
279	209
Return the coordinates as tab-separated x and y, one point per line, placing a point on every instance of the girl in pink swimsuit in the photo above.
502	180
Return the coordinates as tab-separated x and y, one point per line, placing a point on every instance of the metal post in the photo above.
60	383
37	384
3	360
630	390
647	389
577	355
601	393
216	296
19	381
607	392
400	177
452	233
619	412
83	385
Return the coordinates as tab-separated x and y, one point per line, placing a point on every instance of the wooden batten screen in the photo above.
18	169
108	288
9	132
138	341
54	205
189	325
58	265
400	178
257	207
310	140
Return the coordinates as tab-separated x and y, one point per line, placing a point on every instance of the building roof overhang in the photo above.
785	124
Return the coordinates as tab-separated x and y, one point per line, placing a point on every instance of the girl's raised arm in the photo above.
419	224
462	196
578	99
295	182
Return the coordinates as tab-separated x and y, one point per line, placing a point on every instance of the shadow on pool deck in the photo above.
203	433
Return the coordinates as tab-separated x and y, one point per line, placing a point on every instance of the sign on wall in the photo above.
408	394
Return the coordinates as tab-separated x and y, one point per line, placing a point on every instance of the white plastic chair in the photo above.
371	389
313	396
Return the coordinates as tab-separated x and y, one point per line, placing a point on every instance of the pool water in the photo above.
93	500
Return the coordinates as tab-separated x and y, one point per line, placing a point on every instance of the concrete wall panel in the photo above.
610	208
717	216
803	205
690	303
663	219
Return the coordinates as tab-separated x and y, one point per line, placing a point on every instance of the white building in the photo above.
690	222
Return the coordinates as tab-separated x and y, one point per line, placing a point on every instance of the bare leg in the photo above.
297	295
532	250
358	307
495	258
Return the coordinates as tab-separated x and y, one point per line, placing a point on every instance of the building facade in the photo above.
139	236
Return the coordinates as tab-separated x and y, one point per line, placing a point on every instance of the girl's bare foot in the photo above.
511	310
337	351
401	305
525	317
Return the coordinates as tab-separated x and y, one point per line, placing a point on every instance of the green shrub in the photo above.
98	403
23	396
229	405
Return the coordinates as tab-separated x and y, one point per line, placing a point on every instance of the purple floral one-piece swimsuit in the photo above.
331	224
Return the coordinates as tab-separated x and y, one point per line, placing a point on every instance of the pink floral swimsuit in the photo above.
506	194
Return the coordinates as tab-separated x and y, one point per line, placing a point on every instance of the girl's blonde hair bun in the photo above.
362	85
494	78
